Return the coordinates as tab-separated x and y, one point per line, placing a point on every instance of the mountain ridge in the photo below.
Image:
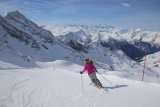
113	38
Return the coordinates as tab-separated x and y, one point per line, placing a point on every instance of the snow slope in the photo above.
153	62
53	85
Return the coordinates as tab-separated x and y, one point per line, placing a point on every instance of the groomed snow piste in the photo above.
55	84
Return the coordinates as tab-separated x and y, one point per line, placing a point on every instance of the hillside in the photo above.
153	62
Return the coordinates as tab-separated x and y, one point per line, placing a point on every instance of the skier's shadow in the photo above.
116	86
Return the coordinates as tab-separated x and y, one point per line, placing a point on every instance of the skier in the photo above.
90	68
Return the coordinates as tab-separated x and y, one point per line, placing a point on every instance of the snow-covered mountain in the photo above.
24	43
133	42
21	39
18	26
117	33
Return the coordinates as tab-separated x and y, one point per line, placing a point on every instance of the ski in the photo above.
104	88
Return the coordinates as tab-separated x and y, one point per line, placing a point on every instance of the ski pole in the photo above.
82	84
104	78
144	63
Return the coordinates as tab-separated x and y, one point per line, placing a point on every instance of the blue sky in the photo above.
118	13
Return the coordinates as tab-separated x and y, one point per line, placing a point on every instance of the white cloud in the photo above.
126	4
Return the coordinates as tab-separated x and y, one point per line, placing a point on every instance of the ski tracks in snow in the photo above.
61	88
28	93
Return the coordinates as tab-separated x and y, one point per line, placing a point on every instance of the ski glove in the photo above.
81	72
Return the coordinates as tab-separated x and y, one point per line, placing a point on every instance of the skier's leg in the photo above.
94	80
98	83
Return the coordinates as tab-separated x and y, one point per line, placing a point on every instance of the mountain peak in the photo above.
16	14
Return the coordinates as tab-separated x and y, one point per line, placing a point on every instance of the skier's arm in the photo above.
84	70
94	68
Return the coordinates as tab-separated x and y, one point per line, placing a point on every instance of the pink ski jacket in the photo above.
90	68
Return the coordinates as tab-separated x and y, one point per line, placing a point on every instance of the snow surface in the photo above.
153	62
52	85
